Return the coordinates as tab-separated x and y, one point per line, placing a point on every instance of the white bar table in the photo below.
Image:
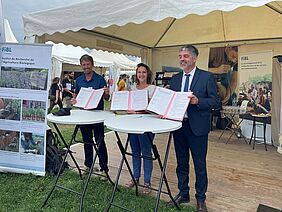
140	124
77	117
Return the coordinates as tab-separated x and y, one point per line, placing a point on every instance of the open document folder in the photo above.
89	98
130	100
169	104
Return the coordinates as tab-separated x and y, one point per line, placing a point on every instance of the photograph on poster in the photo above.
258	90
223	63
33	111
24	78
10	109
32	143
9	140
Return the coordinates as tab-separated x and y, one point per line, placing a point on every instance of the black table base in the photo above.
235	128
156	156
56	185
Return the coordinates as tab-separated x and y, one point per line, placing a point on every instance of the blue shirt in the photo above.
96	82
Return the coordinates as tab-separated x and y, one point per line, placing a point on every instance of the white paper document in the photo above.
130	100
169	104
89	98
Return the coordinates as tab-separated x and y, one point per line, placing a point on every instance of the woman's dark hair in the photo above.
55	80
149	73
86	57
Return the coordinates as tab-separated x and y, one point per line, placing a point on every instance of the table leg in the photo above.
96	147
229	121
163	168
264	137
68	146
254	126
255	133
64	159
123	151
240	131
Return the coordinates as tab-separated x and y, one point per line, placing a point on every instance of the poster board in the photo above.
256	79
24	77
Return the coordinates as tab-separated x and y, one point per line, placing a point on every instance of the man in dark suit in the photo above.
193	135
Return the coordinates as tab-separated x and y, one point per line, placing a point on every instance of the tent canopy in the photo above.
71	55
128	26
119	60
9	35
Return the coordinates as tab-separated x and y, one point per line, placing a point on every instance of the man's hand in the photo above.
223	68
193	99
106	93
106	90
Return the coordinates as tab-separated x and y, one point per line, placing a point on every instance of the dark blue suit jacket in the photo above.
204	88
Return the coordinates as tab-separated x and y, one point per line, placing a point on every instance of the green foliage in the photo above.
27	193
256	79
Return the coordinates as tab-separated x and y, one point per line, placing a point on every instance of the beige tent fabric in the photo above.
276	102
127	28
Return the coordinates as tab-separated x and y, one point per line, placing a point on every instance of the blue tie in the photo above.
186	85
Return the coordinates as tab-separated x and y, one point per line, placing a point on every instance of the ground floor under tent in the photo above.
240	178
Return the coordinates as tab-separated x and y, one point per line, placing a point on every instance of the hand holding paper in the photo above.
169	104
130	100
88	98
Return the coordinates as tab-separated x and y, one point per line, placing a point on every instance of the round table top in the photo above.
140	123
81	117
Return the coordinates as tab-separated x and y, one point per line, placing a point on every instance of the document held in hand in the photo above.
169	104
130	100
89	98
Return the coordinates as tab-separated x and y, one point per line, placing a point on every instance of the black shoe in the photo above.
201	206
179	200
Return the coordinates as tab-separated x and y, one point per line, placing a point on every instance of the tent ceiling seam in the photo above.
223	26
115	38
274	8
166	30
233	42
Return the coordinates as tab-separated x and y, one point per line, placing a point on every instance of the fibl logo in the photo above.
7	50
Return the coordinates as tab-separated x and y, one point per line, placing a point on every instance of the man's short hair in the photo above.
194	51
86	57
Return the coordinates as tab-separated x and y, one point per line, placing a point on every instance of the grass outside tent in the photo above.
21	193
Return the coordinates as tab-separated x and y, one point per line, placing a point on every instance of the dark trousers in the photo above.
52	103
87	136
185	141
